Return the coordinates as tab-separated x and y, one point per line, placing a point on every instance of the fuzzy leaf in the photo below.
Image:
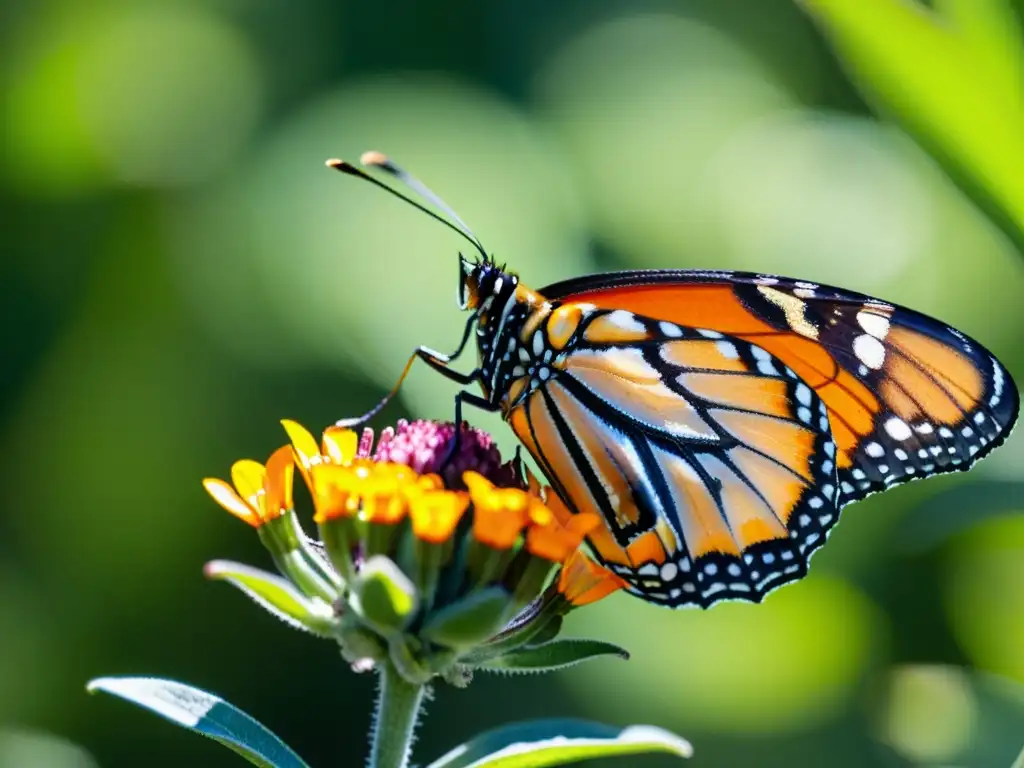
205	714
470	621
276	595
540	743
554	655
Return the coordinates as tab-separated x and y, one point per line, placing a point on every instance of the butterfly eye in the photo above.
469	286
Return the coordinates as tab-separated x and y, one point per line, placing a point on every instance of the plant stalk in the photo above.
398	708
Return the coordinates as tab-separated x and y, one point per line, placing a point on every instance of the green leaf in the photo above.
954	511
951	77
540	743
384	596
277	596
554	655
469	621
203	713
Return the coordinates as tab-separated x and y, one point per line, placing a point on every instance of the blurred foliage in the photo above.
953	74
180	272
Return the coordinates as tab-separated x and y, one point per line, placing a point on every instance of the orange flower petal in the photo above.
340	444
335	491
548	538
247	475
552	543
435	514
583	581
278	483
225	495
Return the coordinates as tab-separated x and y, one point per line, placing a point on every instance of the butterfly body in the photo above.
720	431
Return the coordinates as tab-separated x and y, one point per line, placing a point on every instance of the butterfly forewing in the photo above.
711	461
907	396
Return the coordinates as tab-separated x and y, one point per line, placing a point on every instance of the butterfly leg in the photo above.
436	360
477	402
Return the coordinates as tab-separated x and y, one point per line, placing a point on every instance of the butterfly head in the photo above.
483	284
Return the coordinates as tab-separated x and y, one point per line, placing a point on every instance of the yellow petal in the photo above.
340	444
479	486
225	495
306	450
247	475
278	483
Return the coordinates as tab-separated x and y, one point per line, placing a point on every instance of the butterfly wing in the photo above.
907	395
711	461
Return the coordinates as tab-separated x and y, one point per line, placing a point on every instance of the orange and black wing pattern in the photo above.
711	461
907	396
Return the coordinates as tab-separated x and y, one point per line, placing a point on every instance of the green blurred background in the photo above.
180	271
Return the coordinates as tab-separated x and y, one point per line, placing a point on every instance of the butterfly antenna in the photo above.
457	226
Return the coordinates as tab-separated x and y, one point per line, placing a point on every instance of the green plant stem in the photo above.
398	708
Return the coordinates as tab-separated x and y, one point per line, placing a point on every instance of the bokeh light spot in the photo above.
152	95
641	102
984	595
786	664
930	713
812	196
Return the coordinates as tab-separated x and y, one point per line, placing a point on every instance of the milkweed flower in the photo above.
432	555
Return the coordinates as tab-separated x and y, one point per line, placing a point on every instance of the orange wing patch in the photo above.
788	443
747	393
711	355
780	489
703	526
562	324
618	327
630	385
952	385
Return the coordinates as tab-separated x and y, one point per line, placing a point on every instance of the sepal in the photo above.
383	596
470	620
277	596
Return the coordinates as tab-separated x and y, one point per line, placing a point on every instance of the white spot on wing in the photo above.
898	429
538	344
873	325
869	351
803	394
620	318
727	349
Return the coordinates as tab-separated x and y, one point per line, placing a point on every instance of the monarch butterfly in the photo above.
718	421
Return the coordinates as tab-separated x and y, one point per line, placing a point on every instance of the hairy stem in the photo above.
398	707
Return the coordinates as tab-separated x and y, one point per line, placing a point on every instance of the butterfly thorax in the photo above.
508	317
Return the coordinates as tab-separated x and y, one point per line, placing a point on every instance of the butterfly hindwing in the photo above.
907	396
711	461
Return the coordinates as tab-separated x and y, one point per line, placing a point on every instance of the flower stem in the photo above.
398	707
